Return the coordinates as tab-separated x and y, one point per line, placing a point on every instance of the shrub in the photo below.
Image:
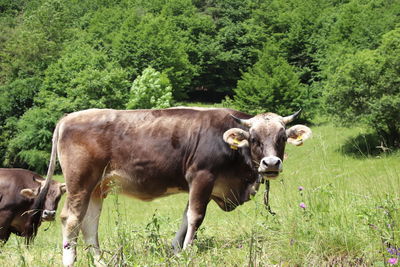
150	90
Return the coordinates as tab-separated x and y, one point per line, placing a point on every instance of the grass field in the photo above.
351	217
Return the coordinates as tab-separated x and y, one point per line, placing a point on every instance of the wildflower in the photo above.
392	261
391	251
301	188
302	205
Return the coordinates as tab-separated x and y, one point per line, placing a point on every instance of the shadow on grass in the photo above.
366	145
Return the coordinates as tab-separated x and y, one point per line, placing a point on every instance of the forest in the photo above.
336	59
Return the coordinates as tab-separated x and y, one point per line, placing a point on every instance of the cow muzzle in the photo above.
48	215
270	167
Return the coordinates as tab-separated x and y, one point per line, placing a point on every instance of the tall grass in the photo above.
351	218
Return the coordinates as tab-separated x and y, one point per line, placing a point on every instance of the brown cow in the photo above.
213	154
25	201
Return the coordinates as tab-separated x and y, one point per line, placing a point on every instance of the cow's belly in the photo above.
143	188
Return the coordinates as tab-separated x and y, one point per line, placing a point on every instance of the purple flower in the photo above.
302	205
301	188
392	261
393	251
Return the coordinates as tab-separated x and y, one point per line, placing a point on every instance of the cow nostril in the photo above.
264	162
277	163
49	213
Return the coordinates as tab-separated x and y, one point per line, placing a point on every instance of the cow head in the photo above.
53	196
265	136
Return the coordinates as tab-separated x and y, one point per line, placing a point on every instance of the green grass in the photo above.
352	216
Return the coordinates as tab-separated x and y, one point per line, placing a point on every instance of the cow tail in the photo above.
35	219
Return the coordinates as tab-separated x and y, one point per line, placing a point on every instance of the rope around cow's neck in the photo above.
266	198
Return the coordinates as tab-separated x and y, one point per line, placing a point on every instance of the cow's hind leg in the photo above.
199	195
90	225
79	190
177	243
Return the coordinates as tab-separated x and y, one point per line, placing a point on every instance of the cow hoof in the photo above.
176	250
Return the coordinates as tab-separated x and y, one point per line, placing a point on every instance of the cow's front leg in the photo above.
6	218
177	243
199	195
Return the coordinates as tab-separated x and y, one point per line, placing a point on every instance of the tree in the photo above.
31	145
366	89
150	90
151	40
87	77
81	78
270	85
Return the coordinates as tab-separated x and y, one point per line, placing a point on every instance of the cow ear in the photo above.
63	188
297	134
28	193
236	138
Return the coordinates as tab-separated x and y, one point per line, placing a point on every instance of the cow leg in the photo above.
6	218
177	243
70	231
199	195
90	225
79	192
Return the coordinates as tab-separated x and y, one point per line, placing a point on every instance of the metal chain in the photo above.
266	198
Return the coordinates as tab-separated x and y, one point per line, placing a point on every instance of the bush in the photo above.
366	89
150	90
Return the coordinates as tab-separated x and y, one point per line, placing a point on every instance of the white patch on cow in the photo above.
90	223
89	229
69	255
190	230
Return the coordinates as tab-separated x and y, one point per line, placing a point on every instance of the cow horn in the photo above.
243	122
42	182
290	118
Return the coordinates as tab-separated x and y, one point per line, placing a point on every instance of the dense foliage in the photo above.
152	89
271	84
366	88
59	56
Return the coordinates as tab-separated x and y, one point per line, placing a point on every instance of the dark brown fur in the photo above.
18	214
